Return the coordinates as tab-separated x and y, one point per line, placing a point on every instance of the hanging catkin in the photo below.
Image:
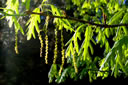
62	53
46	49
41	43
74	61
16	41
46	39
56	47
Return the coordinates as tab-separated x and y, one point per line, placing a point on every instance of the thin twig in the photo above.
98	70
78	20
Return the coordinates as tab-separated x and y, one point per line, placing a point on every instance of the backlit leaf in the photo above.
28	4
52	73
33	24
117	17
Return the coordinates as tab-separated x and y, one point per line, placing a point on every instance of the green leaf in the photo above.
66	24
28	4
93	41
116	6
61	22
2	17
44	1
83	72
125	30
107	47
33	24
116	51
117	17
68	51
30	31
76	2
13	1
91	48
79	30
67	27
12	8
105	60
81	48
62	78
55	10
107	32
125	18
86	4
76	45
37	27
116	66
52	73
16	6
99	37
71	48
17	25
75	36
88	36
122	67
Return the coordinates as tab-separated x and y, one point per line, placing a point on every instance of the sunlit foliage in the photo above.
78	52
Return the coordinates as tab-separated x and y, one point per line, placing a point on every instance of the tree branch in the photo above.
99	70
78	20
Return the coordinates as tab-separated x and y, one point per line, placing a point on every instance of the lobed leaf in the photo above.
27	4
52	73
33	24
117	17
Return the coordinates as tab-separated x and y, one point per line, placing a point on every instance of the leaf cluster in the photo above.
80	52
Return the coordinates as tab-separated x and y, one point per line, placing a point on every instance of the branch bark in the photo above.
78	20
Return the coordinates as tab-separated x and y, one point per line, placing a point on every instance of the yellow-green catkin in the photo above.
62	53
41	44
46	49
46	39
74	61
56	47
16	42
63	60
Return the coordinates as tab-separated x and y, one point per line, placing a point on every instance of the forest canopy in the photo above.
98	41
